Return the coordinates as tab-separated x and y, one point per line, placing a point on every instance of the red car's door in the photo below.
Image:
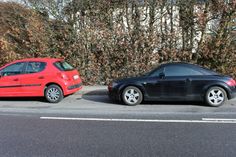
33	79
10	79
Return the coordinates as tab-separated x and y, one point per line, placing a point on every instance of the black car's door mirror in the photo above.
162	75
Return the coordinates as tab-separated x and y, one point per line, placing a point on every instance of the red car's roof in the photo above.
48	60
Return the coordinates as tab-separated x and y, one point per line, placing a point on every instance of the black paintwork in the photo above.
190	87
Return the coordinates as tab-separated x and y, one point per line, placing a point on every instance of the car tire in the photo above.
132	96
215	96
53	94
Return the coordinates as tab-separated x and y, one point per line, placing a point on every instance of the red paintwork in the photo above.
50	75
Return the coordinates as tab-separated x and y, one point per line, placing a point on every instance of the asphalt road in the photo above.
95	127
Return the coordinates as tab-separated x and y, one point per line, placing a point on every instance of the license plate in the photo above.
76	77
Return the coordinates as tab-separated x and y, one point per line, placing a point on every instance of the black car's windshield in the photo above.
155	72
146	74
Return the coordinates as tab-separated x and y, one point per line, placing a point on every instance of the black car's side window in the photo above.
14	69
177	70
35	67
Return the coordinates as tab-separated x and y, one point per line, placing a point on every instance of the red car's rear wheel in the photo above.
53	94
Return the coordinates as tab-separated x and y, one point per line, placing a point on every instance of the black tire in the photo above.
215	96
53	94
132	96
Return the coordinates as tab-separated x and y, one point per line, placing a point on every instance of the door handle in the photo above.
16	79
188	80
41	77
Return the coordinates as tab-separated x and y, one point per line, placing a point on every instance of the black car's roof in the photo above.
184	64
190	65
179	63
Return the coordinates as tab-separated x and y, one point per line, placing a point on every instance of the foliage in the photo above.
106	40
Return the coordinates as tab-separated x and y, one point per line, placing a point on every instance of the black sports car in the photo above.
175	82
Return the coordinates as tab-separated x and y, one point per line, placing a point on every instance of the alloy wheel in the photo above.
54	94
132	96
216	96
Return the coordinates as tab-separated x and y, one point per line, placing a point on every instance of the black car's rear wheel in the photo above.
132	96
215	96
53	94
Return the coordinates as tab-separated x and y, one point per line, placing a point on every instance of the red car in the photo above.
48	77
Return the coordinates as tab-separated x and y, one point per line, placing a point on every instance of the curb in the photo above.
93	90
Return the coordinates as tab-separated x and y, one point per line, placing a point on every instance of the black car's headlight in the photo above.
112	85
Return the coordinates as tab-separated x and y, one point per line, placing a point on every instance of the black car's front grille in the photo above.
74	86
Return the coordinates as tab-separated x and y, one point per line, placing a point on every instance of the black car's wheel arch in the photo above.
52	83
122	88
221	85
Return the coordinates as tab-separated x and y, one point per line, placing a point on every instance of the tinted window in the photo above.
63	66
208	72
177	70
35	67
156	72
14	69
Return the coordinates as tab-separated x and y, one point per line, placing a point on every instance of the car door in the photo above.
34	78
175	82
153	84
179	81
10	80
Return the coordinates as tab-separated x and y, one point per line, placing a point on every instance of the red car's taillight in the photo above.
231	82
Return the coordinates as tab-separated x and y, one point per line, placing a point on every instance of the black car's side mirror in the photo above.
162	75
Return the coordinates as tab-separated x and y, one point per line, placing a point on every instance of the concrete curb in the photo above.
93	90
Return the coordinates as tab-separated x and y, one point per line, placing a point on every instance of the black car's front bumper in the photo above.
113	93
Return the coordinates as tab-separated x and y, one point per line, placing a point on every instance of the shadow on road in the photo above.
97	98
191	103
104	98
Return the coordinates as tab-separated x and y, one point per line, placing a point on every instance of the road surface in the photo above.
94	126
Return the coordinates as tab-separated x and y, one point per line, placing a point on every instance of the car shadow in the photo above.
190	103
104	98
98	98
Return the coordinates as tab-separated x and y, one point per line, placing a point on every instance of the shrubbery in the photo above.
106	40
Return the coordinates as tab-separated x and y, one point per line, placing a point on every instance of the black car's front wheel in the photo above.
132	96
215	96
53	94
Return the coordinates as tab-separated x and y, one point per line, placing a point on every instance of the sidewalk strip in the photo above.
204	120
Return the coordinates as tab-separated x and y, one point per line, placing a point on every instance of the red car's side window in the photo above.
14	69
35	67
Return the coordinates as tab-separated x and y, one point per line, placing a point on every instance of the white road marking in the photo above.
204	120
219	119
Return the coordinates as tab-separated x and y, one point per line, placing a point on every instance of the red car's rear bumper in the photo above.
72	89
